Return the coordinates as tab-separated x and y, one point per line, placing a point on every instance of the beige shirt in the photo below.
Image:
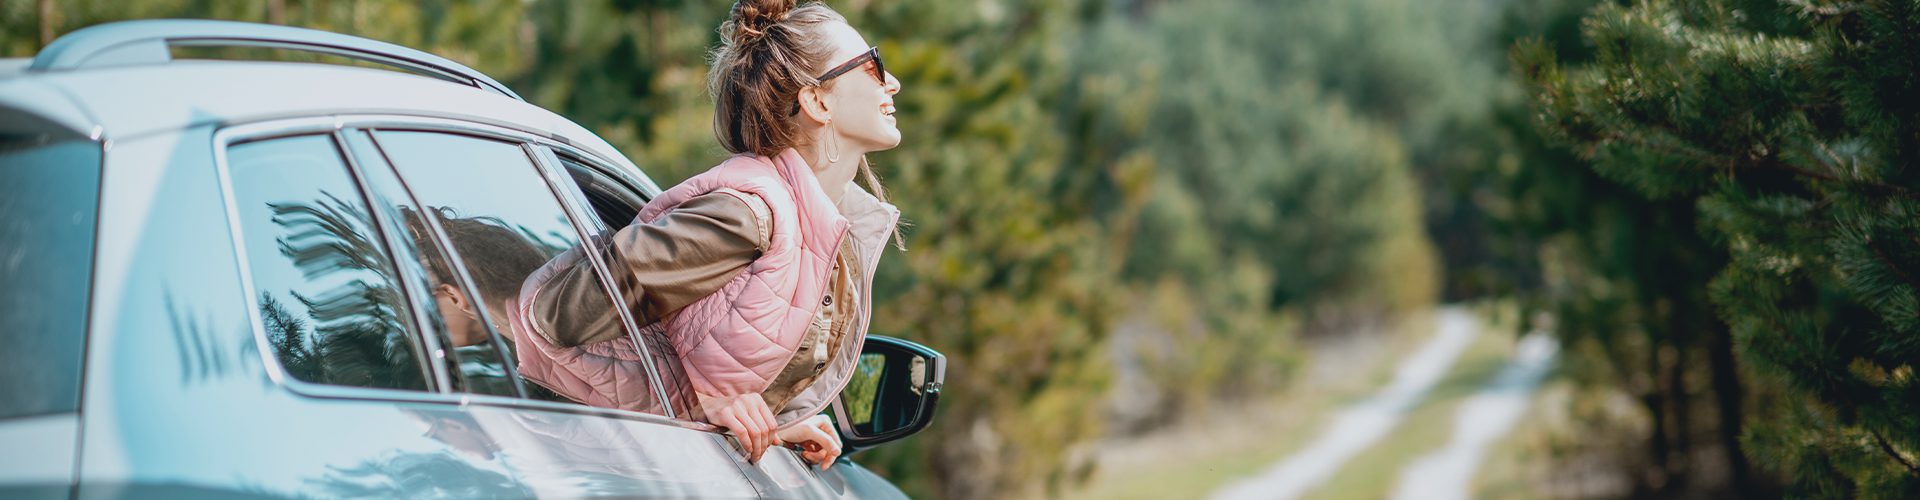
817	347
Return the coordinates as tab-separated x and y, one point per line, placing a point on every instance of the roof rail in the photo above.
149	41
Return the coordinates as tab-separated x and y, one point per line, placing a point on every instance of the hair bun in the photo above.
752	18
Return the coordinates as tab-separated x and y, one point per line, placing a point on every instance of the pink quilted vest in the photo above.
736	340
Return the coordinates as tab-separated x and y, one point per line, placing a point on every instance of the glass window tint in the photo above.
478	356
328	295
47	207
615	206
504	224
478	362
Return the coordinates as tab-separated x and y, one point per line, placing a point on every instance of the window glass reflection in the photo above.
327	291
504	224
863	389
466	324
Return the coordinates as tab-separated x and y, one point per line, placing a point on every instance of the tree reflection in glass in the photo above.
416	475
863	389
327	290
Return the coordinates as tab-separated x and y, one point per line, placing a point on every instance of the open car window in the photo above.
615	204
503	224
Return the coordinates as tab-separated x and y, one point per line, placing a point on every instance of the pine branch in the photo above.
1703	157
1769	162
1881	255
1774	163
1888	448
1824	10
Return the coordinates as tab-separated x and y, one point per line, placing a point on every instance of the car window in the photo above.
614	206
48	202
326	290
478	361
612	203
504	223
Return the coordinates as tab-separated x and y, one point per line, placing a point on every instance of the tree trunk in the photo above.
1659	448
1727	395
46	22
1682	428
277	11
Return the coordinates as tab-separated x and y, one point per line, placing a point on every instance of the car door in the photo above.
250	334
491	198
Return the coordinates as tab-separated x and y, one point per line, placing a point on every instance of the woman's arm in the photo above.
661	266
686	254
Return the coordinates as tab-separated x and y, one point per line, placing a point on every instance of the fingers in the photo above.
818	444
831	447
725	418
754	425
755	409
748	424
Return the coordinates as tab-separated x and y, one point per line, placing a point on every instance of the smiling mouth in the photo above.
886	109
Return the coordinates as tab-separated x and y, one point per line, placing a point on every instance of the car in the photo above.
235	278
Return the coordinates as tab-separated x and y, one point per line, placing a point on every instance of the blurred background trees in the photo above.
1782	133
1127	212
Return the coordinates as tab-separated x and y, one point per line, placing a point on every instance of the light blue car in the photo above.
216	280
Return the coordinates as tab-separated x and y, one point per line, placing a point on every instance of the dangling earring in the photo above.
834	133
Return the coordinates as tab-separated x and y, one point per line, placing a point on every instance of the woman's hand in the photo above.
819	443
747	417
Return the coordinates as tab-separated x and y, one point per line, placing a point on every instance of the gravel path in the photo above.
1481	420
1360	426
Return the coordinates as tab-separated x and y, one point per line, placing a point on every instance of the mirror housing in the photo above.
892	393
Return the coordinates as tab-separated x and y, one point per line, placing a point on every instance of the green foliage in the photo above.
1788	131
1219	171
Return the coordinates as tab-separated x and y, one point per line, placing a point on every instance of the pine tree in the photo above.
1791	130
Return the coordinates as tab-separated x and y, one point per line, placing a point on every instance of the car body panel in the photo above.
39	457
176	395
41	101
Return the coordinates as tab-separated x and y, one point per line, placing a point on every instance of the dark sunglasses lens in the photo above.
879	68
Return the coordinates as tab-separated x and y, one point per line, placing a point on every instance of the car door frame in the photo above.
781	473
536	146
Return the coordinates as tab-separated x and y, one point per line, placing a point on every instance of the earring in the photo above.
834	133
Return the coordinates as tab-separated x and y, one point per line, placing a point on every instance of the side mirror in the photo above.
892	394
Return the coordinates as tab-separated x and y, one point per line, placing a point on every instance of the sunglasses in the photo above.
879	71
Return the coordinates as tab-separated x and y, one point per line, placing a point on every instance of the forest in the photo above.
1126	216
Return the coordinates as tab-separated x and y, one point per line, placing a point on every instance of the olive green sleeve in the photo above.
660	266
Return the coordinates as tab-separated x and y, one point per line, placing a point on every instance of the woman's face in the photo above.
861	106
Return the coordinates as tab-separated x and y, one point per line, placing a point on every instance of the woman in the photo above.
757	272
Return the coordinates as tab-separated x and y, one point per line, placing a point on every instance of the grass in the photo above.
1184	474
1200	456
1515	462
1426	428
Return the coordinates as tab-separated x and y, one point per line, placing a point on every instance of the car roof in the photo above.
10	66
123	102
